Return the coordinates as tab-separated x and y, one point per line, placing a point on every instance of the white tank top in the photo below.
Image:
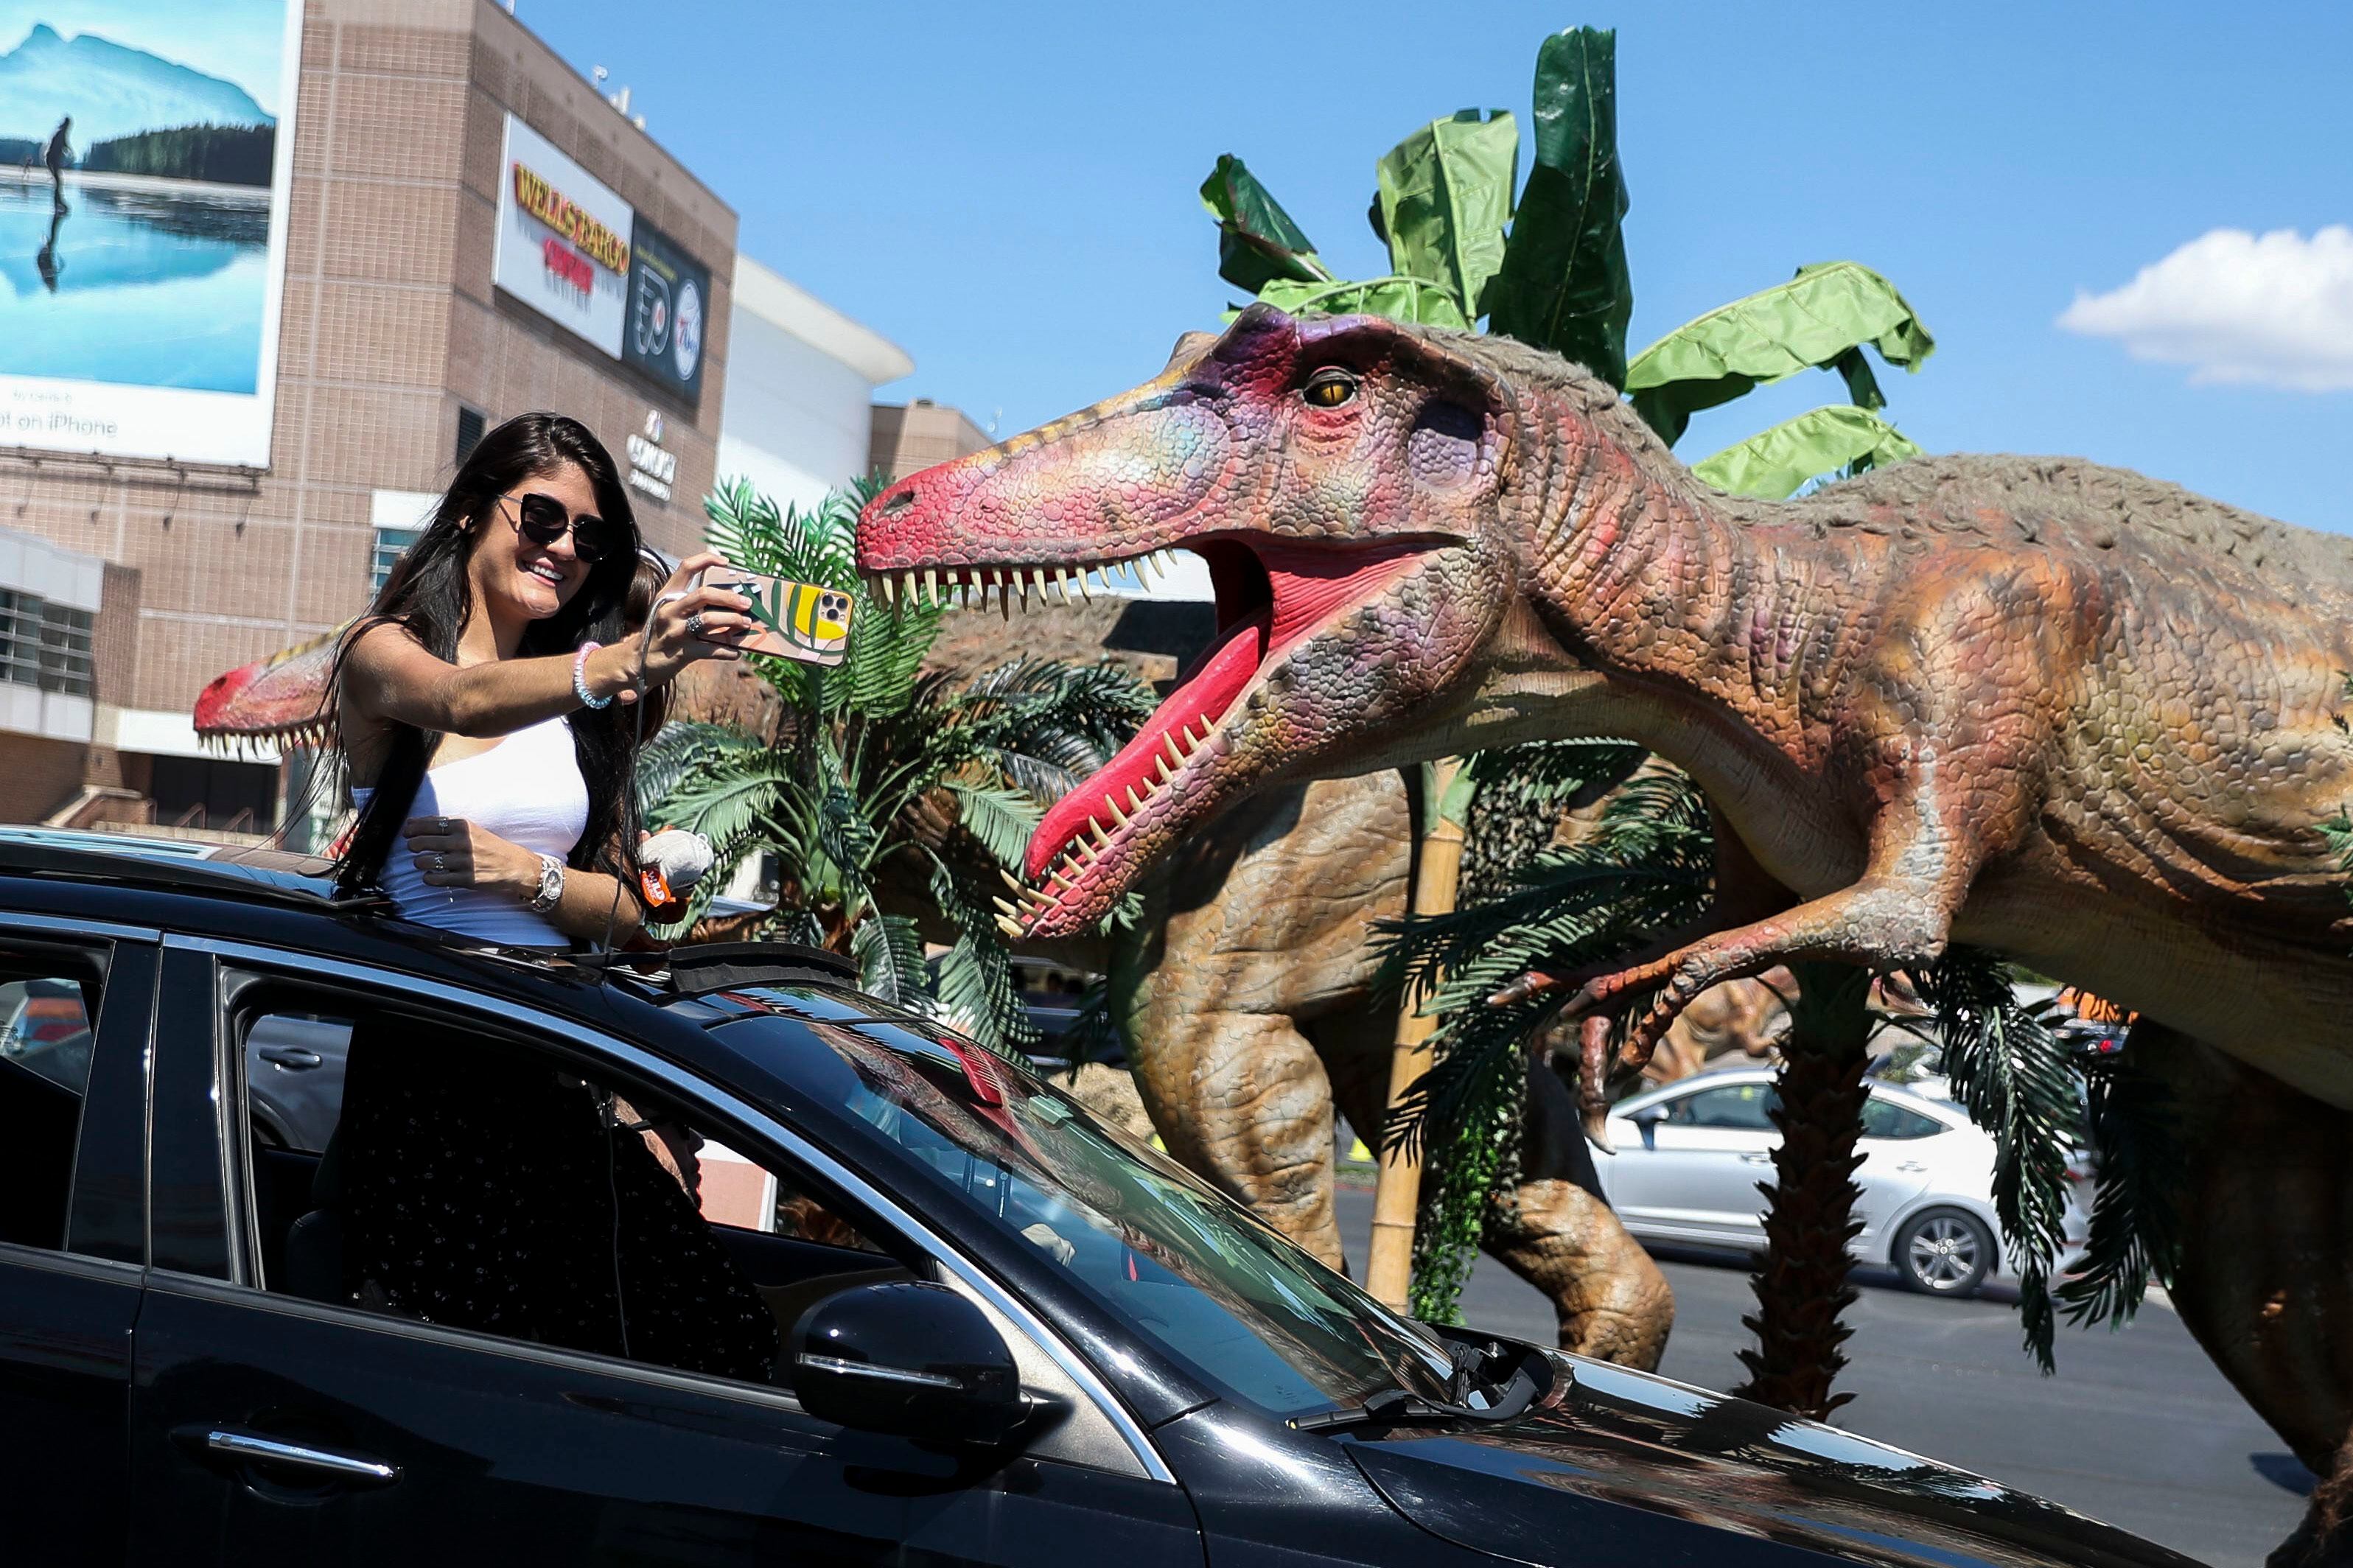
528	790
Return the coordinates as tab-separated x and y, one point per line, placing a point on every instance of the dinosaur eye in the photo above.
1329	387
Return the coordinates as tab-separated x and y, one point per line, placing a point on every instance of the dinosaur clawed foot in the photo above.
1601	1001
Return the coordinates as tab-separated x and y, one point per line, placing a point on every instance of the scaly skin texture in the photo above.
2061	710
1250	1008
2065	711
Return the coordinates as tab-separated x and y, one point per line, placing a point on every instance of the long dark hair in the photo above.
428	595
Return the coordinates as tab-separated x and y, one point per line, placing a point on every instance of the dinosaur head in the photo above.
1346	481
281	698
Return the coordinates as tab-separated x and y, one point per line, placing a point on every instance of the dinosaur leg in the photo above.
1555	1231
1608	1299
1898	915
1246	1103
2265	1283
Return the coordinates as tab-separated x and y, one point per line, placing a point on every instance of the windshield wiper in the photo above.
1475	1362
1398	1407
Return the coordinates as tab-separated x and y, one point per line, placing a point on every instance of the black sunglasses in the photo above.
543	520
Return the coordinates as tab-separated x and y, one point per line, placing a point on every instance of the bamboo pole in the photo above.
1397	1190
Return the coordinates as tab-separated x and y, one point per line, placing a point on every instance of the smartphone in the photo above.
804	621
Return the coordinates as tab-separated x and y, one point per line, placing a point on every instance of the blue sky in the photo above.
1008	191
241	41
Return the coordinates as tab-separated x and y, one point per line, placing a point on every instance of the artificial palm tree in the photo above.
1550	269
894	799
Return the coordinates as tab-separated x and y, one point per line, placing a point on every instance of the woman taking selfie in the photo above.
489	707
486	701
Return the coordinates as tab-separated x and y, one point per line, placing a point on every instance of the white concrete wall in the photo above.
798	420
800	389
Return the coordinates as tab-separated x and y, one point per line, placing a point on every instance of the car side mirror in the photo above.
908	1359
1649	1117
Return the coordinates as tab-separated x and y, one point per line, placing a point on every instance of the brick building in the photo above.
133	582
913	436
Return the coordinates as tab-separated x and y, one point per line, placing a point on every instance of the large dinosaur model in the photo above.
1248	994
2079	716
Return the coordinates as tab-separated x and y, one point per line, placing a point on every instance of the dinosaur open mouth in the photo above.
1270	595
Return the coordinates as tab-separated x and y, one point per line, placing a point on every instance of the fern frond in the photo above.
2135	1228
976	977
2017	1079
890	957
1002	819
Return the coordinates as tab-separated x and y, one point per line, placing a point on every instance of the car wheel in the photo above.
1944	1252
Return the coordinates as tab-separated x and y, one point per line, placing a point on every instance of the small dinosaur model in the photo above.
2076	715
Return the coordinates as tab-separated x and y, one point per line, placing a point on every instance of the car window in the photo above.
416	1166
1882	1118
1743	1106
1177	1263
48	1011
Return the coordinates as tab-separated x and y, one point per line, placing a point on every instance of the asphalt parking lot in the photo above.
2137	1428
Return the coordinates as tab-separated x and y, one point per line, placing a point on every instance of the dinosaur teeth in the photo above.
890	590
1165	770
1134	803
1011	927
1117	815
1011	880
1086	589
1005	907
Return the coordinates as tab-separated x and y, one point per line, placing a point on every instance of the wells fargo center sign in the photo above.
573	251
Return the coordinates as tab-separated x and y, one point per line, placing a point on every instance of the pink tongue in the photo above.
1205	697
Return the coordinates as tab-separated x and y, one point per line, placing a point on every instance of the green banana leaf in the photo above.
1820	319
1772	464
1564	284
1400	299
1445	196
1257	241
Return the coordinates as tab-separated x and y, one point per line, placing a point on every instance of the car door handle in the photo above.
1914	1165
243	1448
1756	1157
294	1058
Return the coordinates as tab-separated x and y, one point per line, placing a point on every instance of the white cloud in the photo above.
2273	310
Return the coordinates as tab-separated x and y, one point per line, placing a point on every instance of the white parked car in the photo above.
1690	1156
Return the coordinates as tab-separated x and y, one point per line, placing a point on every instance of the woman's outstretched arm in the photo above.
390	676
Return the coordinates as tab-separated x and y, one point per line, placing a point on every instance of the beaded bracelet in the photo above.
580	677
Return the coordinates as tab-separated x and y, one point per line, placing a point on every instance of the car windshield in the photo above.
1178	1262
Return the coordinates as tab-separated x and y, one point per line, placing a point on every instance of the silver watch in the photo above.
551	885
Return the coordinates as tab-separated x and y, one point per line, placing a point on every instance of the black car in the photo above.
1006	1333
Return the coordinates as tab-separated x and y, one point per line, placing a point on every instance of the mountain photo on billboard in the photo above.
134	111
138	150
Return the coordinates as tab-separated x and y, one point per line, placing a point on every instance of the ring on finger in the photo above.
440	862
694	624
